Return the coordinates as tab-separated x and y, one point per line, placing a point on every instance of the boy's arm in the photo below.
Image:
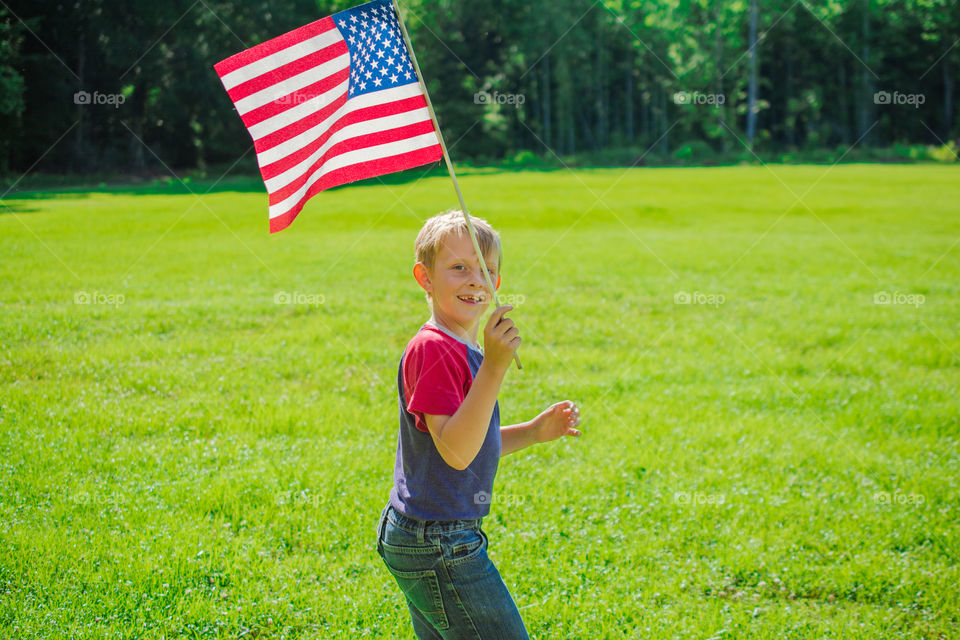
458	438
557	421
516	437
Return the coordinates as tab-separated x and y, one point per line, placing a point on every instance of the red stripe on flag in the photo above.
271	140
269	47
369	169
369	113
351	144
286	71
297	98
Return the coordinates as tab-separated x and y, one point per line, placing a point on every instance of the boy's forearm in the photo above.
463	434
516	437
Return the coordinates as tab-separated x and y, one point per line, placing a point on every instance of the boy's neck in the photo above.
457	330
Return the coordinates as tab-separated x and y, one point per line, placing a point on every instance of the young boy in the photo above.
450	442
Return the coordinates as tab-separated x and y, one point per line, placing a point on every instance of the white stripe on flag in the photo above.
284	56
356	157
285	148
297	113
374	125
293	83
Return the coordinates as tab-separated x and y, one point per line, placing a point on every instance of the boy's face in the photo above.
456	283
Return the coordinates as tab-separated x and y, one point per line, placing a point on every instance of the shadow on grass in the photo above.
15	207
243	176
48	188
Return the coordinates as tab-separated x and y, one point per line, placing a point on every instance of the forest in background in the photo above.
515	82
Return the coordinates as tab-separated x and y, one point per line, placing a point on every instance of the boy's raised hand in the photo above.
500	339
557	421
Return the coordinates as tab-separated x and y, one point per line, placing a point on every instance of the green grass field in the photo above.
767	362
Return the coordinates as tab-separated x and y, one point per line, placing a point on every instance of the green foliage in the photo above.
945	153
556	78
693	151
524	160
11	85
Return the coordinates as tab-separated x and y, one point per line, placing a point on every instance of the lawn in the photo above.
198	419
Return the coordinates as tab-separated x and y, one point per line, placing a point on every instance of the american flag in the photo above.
332	102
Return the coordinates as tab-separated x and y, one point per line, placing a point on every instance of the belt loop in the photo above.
421	524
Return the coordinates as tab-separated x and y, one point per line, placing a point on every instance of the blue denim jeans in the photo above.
452	589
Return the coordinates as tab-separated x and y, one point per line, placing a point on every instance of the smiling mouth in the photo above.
471	299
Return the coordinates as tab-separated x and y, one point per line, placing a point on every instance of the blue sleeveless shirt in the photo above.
434	376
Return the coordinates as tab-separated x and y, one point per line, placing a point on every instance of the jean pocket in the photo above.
422	588
467	546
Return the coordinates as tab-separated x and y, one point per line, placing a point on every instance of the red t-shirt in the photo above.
436	374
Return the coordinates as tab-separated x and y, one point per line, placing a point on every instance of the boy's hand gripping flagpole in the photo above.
446	157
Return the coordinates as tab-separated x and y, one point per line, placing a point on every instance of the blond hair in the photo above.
436	229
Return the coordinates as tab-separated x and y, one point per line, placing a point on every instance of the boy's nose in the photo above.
477	280
477	277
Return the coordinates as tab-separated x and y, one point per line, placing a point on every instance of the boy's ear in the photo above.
498	281
423	276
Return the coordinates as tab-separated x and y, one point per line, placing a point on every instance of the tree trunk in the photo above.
718	64
628	107
791	117
545	75
947	98
570	126
644	102
598	97
80	145
866	86
139	106
562	106
844	117
608	110
569	123
587	130
752	89
664	144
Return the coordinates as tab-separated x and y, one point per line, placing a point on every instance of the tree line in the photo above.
98	86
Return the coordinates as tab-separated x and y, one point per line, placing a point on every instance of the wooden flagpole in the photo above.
446	157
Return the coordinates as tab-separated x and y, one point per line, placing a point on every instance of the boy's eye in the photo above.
460	267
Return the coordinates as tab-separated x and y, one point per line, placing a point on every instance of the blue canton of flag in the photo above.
378	55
